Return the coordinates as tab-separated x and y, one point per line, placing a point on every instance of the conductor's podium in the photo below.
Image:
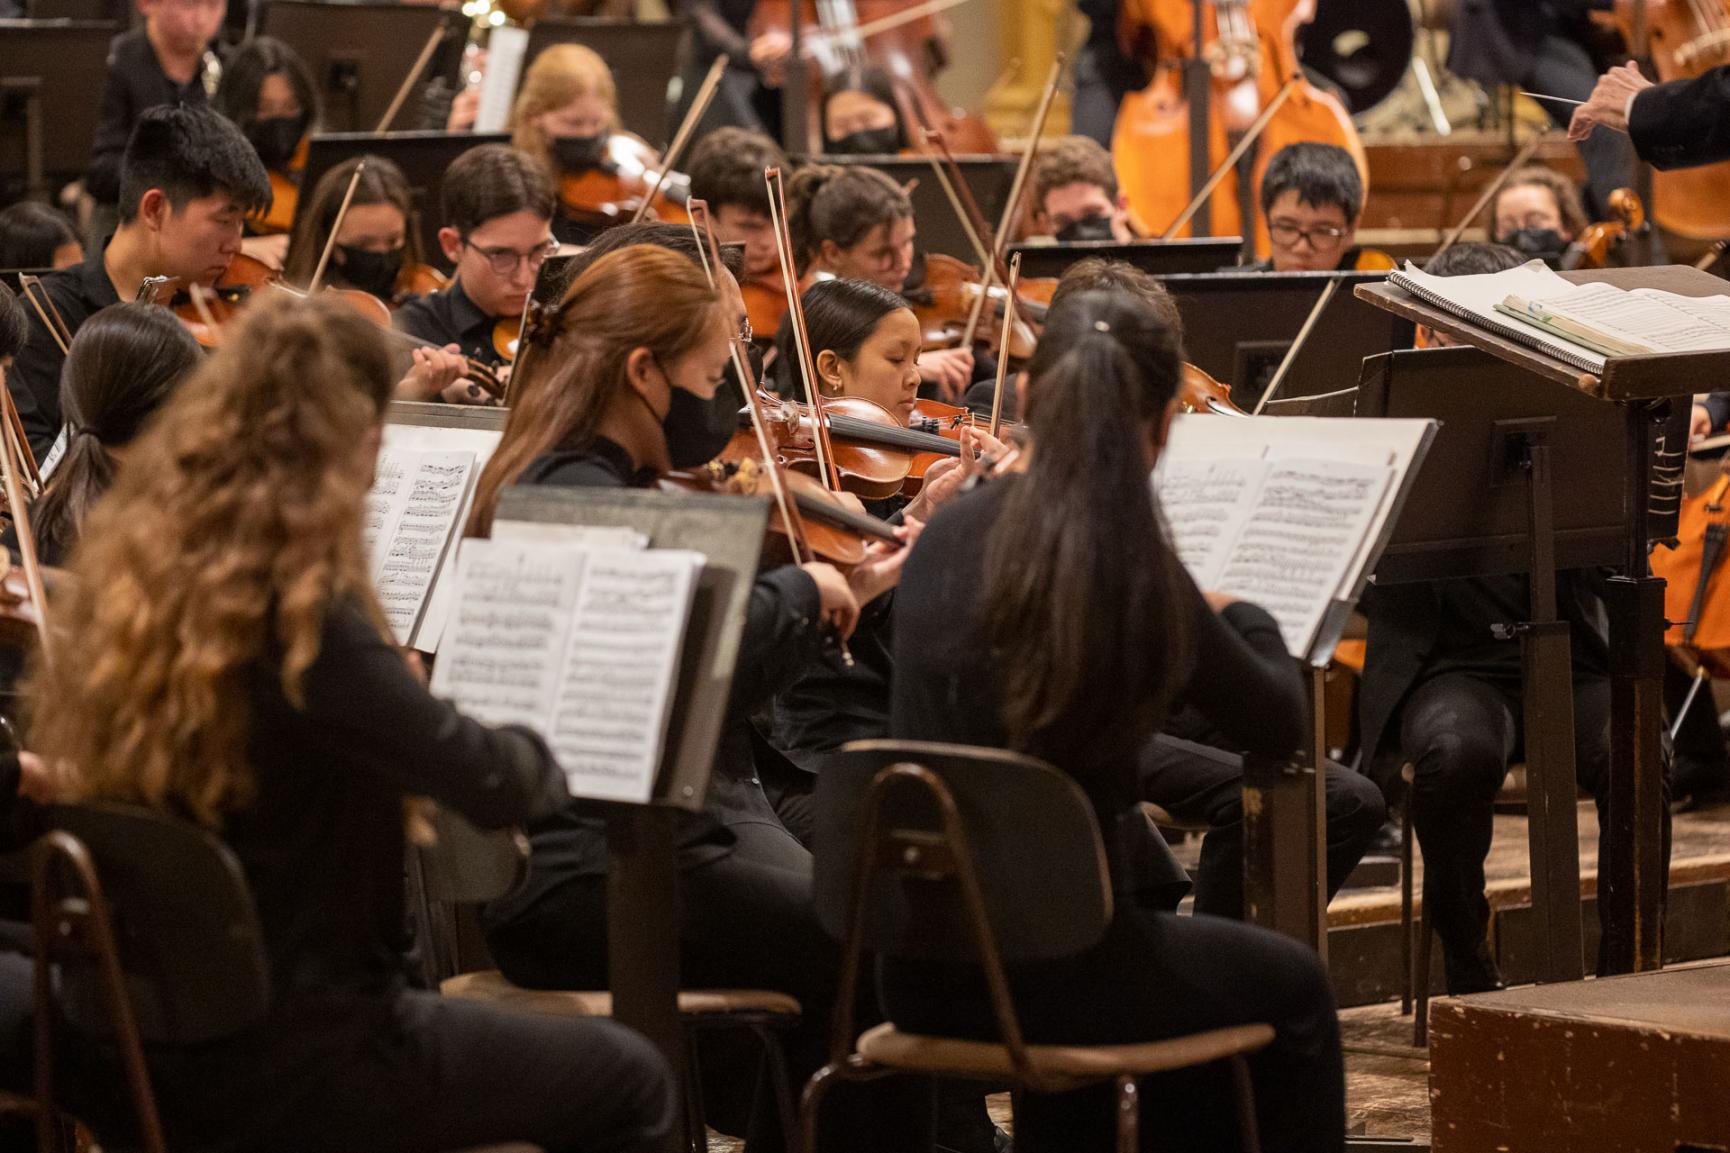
1637	1064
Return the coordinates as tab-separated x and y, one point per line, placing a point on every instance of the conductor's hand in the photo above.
838	605
1608	104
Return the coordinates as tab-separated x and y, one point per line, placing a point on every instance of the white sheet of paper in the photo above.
412	513
1652	321
587	535
1206	503
1479	295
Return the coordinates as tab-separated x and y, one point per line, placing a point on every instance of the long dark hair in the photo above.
839	203
1082	603
381	183
840	316
121	367
244	73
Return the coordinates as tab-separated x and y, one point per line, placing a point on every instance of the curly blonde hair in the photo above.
232	527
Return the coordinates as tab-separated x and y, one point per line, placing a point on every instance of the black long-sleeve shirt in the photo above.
450	317
946	687
135	84
782	637
34	378
322	838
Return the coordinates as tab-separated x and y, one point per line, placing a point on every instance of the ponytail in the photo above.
842	204
1083	601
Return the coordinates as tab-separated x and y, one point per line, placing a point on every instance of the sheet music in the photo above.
1206	504
1476	297
1647	319
1714	310
588	535
581	644
609	722
411	515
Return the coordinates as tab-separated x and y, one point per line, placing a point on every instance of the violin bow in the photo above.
960	198
709	251
801	338
30	287
693	116
335	227
1291	353
433	40
813	40
1250	136
1011	284
1518	162
20	445
21	520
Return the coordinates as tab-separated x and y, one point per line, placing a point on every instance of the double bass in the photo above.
1250	51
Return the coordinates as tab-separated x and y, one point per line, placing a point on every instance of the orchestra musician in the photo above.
287	721
1045	613
1312	196
1074	194
36	236
727	168
1104	74
861	115
267	90
1537	213
375	244
188	181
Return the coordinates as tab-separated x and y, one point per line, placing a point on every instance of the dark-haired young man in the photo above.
1312	196
498	215
727	173
187	183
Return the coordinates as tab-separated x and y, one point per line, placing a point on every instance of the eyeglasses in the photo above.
504	261
1321	238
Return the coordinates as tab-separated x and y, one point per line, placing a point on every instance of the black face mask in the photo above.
576	153
373	272
276	139
868	142
1545	244
1087	228
697	429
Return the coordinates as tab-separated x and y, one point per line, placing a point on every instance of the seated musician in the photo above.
187	184
250	686
855	223
618	395
864	343
1074	194
1311	196
37	236
727	174
566	116
169	58
267	90
376	244
1044	612
861	115
1537	213
1442	692
498	212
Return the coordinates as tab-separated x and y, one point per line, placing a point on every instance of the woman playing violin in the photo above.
267	90
377	251
566	116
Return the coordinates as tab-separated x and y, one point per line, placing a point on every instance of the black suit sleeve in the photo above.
783	635
362	699
1685	123
1244	681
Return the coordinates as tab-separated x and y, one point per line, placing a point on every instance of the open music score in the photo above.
578	642
416	503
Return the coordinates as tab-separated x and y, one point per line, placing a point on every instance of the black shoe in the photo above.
1471	971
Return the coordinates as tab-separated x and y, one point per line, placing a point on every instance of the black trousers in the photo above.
414	1073
1200	783
745	921
1159	975
1460	732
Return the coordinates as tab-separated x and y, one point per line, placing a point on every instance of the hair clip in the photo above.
544	328
1101	326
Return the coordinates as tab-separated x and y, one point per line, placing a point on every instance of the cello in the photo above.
1249	50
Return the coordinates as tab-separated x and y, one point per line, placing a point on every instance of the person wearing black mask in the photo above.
1538	213
617	397
267	91
375	242
1075	194
861	116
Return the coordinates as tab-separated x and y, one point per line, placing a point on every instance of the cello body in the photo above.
1684	40
1251	52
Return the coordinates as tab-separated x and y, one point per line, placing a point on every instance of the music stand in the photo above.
359	53
643	56
989	178
60	66
422	156
1237	327
1187	255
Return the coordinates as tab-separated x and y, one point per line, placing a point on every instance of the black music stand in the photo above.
642	873
988	177
1237	327
359	54
1187	255
1610	498
422	156
51	71
642	55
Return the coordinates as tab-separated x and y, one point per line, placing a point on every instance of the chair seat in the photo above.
1075	1064
492	987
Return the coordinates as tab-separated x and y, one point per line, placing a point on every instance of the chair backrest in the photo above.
185	928
1028	828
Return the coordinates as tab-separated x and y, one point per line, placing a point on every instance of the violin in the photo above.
946	301
617	191
1600	243
1694	591
417	279
1252	56
284	195
765	307
1198	392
